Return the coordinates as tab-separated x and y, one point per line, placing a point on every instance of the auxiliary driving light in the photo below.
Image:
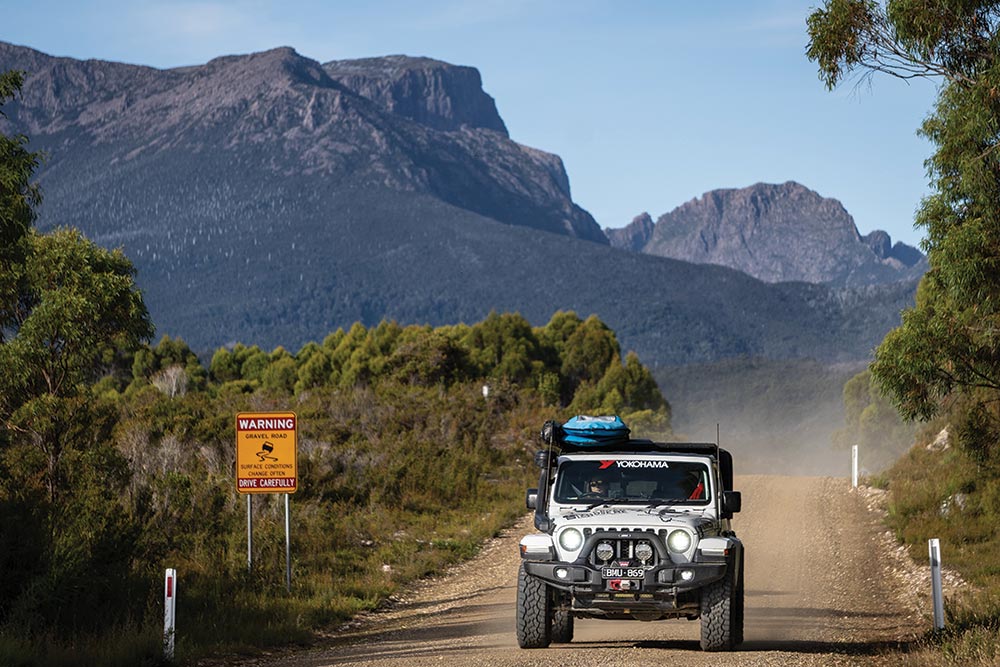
643	551
561	573
605	551
687	575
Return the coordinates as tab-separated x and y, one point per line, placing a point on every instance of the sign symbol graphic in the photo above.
265	452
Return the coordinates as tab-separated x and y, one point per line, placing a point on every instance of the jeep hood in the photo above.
619	517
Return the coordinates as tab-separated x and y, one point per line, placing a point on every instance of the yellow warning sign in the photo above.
266	452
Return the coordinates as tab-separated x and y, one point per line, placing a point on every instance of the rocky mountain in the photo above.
431	92
297	117
774	232
269	199
634	236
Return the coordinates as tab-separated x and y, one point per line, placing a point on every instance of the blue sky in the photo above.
649	104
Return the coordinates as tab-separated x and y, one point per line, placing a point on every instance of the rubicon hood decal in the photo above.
596	513
632	517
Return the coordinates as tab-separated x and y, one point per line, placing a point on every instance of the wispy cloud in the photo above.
784	22
195	19
781	29
190	32
459	14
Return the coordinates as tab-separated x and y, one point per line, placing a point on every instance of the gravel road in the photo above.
822	589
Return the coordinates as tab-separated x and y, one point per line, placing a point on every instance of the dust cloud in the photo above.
776	417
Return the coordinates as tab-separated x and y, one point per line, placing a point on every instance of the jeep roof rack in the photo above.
642	445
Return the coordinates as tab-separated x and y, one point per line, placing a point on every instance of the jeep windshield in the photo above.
632	480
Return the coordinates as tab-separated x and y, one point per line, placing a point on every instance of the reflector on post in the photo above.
937	599
169	612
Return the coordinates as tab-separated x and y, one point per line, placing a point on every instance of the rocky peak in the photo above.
278	66
907	255
880	242
634	236
98	99
777	233
434	93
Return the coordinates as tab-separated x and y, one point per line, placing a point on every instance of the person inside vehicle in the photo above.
598	486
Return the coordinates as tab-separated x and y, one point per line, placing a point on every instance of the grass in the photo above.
945	495
120	647
245	613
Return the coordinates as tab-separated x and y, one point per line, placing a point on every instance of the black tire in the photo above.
717	614
562	626
534	611
738	604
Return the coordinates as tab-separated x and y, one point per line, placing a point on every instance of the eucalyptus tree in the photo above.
67	307
18	199
948	345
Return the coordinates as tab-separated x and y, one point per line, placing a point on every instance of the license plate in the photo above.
623	573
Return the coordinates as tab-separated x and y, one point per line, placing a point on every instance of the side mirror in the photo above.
732	502
542	459
531	499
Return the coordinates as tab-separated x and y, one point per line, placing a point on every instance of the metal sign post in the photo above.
288	548
934	547
249	533
169	612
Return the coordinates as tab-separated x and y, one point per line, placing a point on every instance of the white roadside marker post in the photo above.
169	612
934	546
854	467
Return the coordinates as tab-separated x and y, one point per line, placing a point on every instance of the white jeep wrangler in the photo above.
632	530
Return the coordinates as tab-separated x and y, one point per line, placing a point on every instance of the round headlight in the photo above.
679	541
605	551
643	551
571	539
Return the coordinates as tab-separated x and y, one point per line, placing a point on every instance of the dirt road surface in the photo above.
820	590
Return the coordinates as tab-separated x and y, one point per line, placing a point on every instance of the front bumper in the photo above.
583	579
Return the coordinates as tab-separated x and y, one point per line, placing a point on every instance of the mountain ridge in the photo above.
775	232
264	201
318	123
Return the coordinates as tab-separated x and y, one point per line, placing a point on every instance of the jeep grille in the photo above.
625	547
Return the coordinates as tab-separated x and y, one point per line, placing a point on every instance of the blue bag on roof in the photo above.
587	431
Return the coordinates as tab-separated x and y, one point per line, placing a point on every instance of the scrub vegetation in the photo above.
404	467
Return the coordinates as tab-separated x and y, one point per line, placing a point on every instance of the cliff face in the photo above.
414	125
430	92
776	233
634	236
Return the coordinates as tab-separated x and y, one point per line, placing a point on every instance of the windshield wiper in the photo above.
656	502
595	505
